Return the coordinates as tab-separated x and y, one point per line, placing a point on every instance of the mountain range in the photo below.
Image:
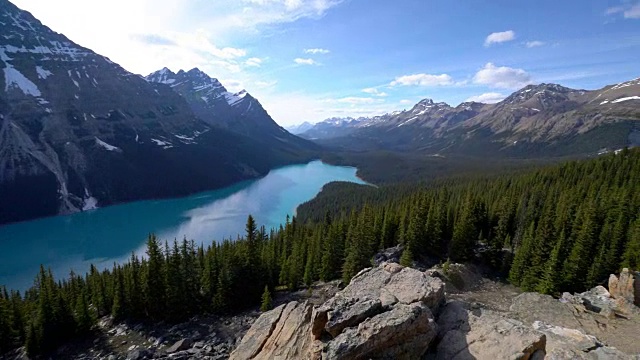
77	130
538	120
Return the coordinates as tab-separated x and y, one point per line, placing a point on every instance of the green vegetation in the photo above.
561	228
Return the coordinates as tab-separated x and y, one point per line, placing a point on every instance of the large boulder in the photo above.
627	286
281	333
404	332
467	333
385	312
570	312
573	344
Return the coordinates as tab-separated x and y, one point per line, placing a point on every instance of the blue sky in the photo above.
307	60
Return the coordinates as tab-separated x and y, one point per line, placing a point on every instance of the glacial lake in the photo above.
111	234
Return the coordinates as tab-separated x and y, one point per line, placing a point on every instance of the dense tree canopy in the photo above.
561	228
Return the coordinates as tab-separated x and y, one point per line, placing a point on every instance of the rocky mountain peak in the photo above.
427	105
469	105
163	76
541	96
426	102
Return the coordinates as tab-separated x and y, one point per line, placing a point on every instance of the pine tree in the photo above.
522	257
266	300
407	257
576	266
464	233
84	319
6	332
632	252
118	309
154	284
552	275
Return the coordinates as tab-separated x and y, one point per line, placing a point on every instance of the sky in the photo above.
308	60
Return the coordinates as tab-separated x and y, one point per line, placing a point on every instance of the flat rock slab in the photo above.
467	335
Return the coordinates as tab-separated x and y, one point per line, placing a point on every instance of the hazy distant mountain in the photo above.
300	128
77	130
339	126
538	120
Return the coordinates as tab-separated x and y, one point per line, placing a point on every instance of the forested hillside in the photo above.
560	228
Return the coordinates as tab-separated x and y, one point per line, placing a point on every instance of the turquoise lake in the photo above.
111	234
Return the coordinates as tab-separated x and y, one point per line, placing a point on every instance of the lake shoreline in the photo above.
112	233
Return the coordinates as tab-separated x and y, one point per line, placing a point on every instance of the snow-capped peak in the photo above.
233	99
163	76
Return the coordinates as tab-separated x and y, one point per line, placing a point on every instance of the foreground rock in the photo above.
467	333
384	313
626	287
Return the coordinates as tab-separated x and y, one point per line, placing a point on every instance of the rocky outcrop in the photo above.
391	255
569	344
384	313
626	287
394	312
474	333
457	277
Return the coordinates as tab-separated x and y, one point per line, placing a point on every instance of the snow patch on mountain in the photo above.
233	99
89	202
106	146
14	78
162	143
43	73
626	83
625	99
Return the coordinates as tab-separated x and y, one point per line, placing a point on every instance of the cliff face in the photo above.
392	312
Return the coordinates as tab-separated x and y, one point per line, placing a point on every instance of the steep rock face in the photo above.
77	131
626	286
384	313
238	112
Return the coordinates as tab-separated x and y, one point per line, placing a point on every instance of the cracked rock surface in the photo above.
384	313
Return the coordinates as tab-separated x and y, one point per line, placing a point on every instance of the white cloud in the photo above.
423	80
316	51
405	101
499	37
294	108
374	91
487	98
502	77
233	85
301	61
353	100
629	11
265	84
253	62
633	12
614	10
535	43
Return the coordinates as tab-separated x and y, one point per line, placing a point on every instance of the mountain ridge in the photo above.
77	131
545	117
238	112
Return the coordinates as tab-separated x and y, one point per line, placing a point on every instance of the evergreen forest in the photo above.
558	228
